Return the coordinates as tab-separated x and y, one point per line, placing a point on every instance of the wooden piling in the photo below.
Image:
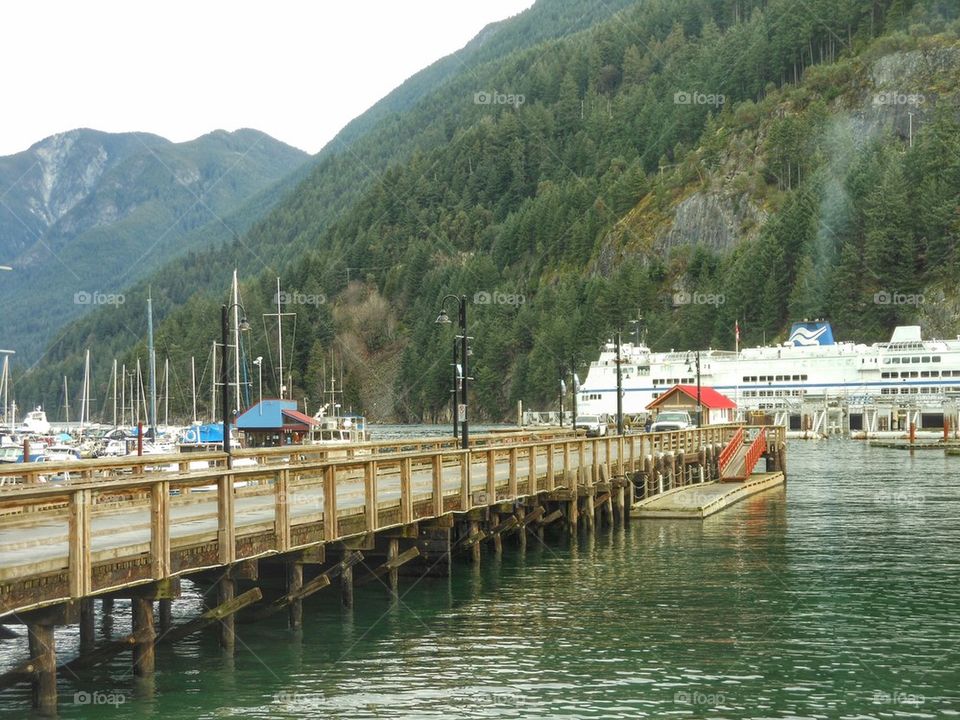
346	587
144	658
475	547
294	585
227	590
165	613
44	660
87	626
393	582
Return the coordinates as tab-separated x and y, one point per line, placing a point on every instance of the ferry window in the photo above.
886	361
926	358
895	361
915	359
936	358
884	375
803	377
925	373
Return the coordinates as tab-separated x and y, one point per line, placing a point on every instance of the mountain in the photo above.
85	213
696	162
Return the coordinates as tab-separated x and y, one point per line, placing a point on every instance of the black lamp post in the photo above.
443	318
225	375
696	360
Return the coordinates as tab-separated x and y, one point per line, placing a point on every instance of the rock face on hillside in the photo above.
705	218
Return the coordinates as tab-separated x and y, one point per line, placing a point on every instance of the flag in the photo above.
736	331
563	386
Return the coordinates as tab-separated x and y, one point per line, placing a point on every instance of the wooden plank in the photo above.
437	478
512	477
226	530
391	564
491	476
213	615
281	509
81	575
160	529
551	479
465	503
406	491
532	470
370	495
330	504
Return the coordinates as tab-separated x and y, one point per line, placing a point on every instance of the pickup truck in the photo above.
593	424
672	420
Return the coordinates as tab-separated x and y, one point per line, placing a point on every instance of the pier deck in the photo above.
695	502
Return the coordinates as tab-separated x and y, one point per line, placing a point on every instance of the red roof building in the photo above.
718	408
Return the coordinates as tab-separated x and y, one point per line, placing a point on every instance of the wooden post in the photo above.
226	537
79	547
87	629
406	493
370	495
551	479
43	650
160	529
281	509
106	617
144	660
294	584
475	548
491	476
497	541
346	587
330	503
512	491
165	615
522	534
588	511
622	504
465	500
227	591
438	485
532	484
393	550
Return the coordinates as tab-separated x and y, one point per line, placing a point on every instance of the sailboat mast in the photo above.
123	396
114	392
166	392
280	336
236	337
66	402
152	359
193	386
213	384
84	393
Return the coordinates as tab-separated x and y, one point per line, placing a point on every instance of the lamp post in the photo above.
225	375
619	387
259	363
444	319
455	390
696	361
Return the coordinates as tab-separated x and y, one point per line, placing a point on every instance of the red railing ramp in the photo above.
738	458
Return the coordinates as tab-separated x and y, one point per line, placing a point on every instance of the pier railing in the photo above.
61	541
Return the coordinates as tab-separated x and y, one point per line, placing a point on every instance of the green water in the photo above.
834	598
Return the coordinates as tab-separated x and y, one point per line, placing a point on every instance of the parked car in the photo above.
672	420
593	424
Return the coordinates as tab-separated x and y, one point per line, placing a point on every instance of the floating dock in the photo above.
695	502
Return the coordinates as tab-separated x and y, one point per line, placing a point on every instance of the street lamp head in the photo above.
258	361
243	325
443	318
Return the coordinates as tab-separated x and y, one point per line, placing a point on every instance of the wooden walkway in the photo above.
695	502
133	527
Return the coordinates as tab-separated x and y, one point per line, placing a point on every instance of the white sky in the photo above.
298	71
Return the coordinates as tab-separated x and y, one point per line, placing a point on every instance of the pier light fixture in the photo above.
461	409
693	362
242	326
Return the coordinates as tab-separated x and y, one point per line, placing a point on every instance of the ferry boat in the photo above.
809	366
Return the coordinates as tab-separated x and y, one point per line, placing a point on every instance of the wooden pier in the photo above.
268	528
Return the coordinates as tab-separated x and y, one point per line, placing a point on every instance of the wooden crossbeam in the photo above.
106	651
391	564
309	588
214	615
552	517
24	672
532	515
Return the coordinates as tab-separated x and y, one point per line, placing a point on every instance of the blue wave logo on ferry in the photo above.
804	334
